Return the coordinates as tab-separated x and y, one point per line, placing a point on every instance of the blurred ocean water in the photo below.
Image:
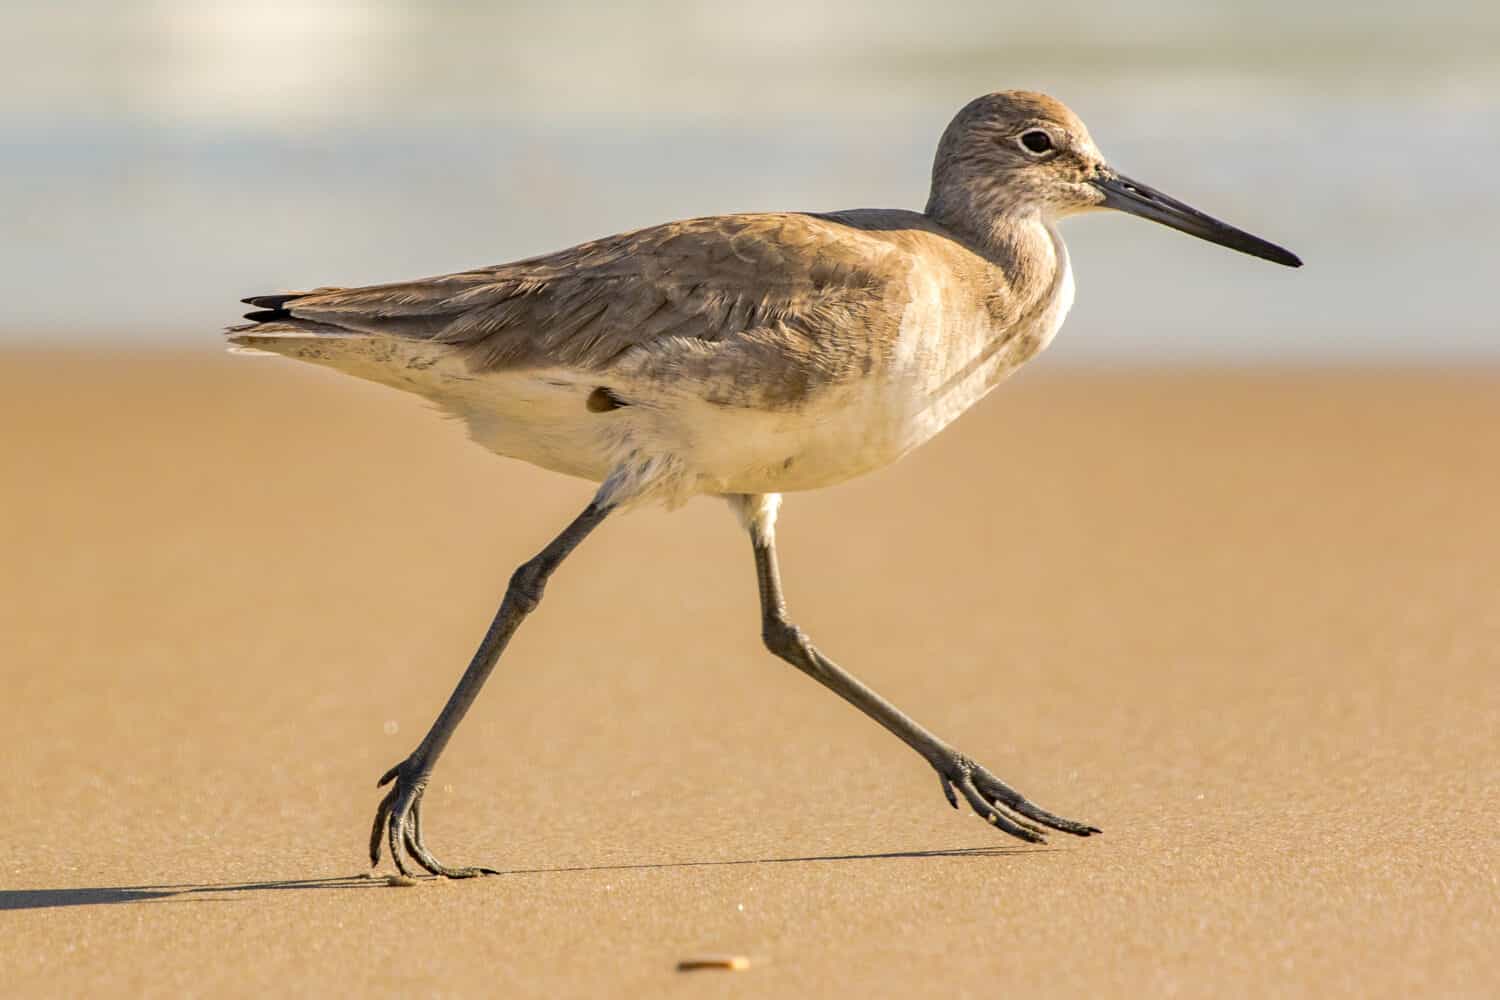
162	159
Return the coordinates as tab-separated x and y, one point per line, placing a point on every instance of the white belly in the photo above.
670	444
940	370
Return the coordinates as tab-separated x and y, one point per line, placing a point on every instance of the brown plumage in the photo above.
760	314
742	356
769	308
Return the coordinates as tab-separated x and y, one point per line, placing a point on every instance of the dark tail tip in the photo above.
270	301
271	307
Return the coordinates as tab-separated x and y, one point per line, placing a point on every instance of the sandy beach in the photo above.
1247	624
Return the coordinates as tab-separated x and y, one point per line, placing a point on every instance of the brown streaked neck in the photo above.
1013	236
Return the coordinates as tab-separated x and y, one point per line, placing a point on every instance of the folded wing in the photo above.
798	290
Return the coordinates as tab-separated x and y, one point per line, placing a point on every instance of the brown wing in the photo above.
800	281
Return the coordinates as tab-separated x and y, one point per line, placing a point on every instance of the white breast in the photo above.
950	358
946	358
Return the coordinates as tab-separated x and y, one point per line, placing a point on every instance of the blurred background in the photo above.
163	159
1242	612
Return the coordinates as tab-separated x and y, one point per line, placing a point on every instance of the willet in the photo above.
742	356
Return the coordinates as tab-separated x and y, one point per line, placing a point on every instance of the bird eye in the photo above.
1036	141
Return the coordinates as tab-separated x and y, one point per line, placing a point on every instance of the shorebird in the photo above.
743	357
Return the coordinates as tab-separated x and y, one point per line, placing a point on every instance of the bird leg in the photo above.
398	819
991	798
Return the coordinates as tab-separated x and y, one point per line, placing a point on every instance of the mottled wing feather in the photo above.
782	284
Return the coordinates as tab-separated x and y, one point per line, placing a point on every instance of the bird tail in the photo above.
273	330
412	365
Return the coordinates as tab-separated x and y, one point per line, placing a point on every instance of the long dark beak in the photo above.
1131	196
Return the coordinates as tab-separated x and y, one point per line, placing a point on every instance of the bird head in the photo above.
1016	153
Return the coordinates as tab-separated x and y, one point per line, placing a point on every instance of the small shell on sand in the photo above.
734	963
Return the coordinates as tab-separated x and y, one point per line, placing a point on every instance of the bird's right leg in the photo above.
398	820
987	795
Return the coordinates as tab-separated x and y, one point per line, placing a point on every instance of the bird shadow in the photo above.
202	892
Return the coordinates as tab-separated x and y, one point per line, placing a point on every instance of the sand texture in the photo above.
1249	625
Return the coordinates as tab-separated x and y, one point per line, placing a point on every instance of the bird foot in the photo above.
1001	805
398	820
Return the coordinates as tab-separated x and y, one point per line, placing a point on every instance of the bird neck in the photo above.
1019	240
1010	233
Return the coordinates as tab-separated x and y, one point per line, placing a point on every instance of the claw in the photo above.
948	790
398	821
411	835
998	790
993	814
378	830
1020	822
395	828
1001	805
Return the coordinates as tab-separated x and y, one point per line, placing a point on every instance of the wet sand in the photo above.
1249	625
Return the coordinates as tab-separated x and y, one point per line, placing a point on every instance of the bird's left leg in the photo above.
398	819
990	797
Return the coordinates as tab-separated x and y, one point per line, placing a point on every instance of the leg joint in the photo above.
527	584
784	639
